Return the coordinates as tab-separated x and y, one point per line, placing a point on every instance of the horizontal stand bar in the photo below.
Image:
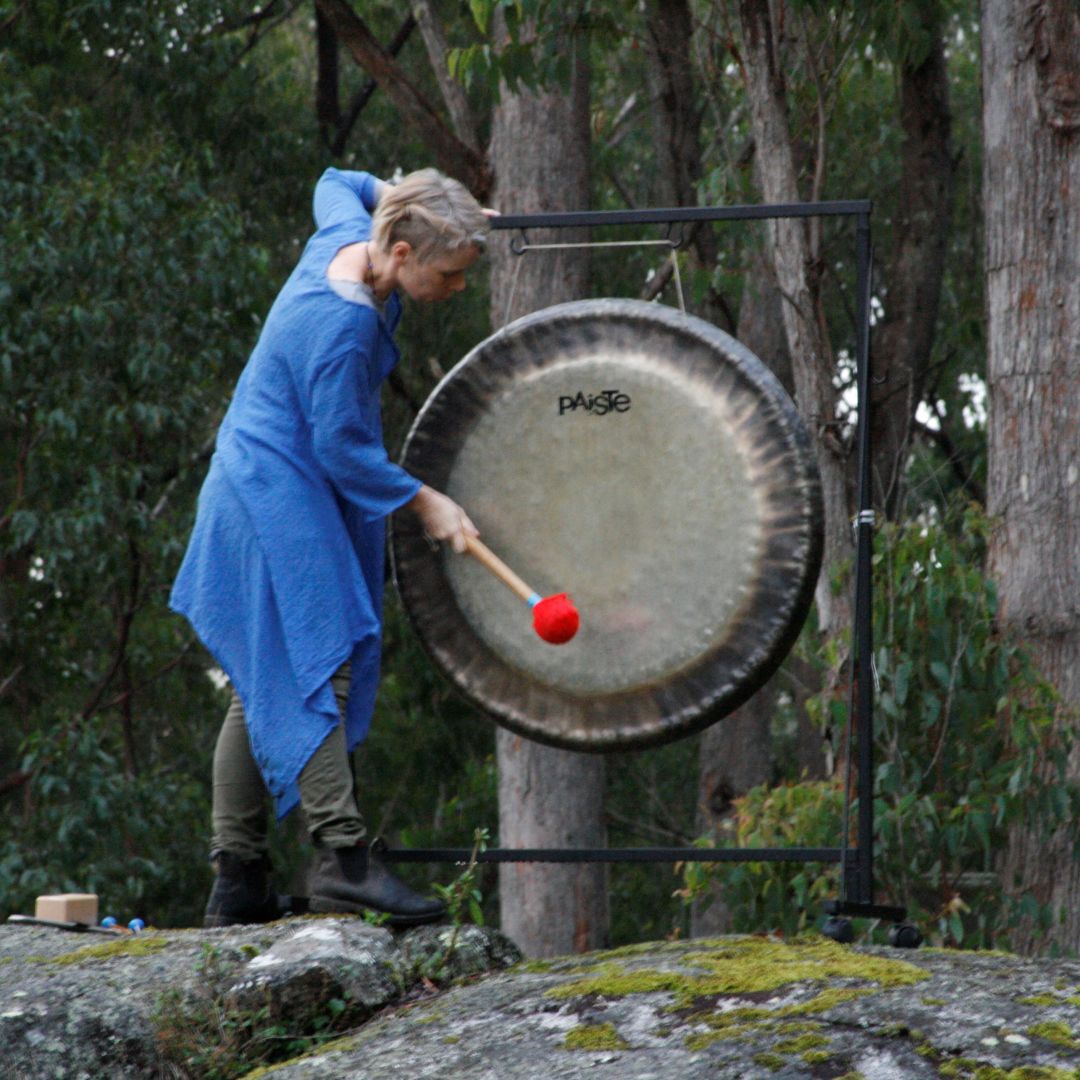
864	911
616	855
662	216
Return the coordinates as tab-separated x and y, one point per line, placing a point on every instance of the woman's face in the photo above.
436	279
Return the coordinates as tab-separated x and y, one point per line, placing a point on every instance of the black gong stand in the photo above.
856	898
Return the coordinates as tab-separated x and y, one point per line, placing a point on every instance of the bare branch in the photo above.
955	459
660	277
363	95
645	828
453	93
8	680
124	621
453	156
818	183
327	96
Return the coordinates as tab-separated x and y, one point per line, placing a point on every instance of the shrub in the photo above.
964	747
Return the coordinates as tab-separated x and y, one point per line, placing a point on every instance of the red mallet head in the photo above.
556	619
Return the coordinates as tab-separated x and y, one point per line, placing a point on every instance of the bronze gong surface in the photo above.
649	465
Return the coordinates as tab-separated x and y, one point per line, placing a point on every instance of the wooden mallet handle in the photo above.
488	559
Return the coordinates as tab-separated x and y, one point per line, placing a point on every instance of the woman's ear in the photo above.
400	251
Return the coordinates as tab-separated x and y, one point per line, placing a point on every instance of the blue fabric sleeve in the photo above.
341	196
347	439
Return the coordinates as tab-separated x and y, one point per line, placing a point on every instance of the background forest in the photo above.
156	168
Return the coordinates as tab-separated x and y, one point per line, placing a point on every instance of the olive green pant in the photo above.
327	791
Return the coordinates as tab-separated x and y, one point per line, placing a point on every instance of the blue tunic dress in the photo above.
283	575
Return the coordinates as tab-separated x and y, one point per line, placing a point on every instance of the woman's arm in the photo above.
347	447
357	464
342	195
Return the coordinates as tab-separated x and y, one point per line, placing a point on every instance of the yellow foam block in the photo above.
68	907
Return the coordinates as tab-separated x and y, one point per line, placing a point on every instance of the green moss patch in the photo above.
801	1043
969	1069
594	1037
1056	1032
136	945
1049	999
747	966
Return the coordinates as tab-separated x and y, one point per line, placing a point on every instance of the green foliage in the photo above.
203	1036
965	746
965	732
130	293
462	896
650	800
94	828
463	899
127	293
525	42
778	895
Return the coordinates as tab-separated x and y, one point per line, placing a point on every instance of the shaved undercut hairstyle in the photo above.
433	213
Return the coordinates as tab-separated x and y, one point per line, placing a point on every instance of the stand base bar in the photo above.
864	911
564	855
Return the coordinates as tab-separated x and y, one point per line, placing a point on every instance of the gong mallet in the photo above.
555	618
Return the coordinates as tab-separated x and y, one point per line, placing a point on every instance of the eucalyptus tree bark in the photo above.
735	754
676	120
797	275
1031	193
547	797
904	339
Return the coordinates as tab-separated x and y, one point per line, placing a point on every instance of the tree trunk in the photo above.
547	798
735	754
905	337
1031	192
676	120
797	275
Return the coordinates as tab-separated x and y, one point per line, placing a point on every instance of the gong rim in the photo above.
726	673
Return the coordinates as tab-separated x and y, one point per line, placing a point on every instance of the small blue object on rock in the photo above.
136	925
108	921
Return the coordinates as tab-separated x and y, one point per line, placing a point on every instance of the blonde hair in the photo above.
433	213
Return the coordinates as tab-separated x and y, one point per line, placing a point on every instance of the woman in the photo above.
283	575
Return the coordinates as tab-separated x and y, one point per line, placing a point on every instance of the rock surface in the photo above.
94	1006
726	1008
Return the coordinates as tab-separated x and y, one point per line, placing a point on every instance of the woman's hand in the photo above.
442	518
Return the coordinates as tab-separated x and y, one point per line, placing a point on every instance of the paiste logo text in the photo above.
600	404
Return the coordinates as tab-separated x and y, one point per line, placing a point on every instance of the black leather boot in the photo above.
241	892
354	880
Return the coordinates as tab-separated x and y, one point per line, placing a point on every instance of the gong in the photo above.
650	466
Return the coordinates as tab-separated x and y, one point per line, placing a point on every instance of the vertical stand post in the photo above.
863	636
858	872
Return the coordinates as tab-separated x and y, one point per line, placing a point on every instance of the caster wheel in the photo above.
905	936
839	929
